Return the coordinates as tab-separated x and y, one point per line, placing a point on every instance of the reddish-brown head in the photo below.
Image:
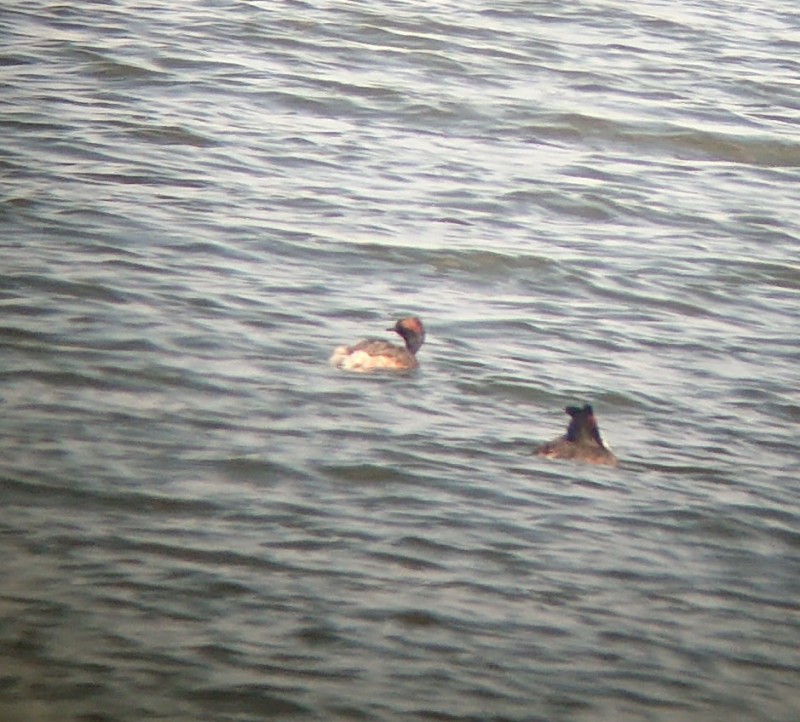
412	331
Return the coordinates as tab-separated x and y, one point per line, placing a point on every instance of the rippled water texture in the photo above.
586	202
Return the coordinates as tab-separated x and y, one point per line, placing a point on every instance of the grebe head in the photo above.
583	426
412	331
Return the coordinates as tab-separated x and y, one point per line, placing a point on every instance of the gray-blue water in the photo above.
588	201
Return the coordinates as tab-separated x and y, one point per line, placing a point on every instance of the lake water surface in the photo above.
589	201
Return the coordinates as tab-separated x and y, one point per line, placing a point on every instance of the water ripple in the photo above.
202	519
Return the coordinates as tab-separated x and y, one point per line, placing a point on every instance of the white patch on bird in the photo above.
350	359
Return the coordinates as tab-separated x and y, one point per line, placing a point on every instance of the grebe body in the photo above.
582	442
375	354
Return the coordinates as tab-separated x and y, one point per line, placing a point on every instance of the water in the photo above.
586	201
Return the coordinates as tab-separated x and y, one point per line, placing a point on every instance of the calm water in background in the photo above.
585	201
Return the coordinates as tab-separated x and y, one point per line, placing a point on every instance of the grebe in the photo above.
373	354
582	441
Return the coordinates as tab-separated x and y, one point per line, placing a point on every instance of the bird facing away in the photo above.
376	354
582	442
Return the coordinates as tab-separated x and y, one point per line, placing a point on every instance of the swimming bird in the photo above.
374	354
582	441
